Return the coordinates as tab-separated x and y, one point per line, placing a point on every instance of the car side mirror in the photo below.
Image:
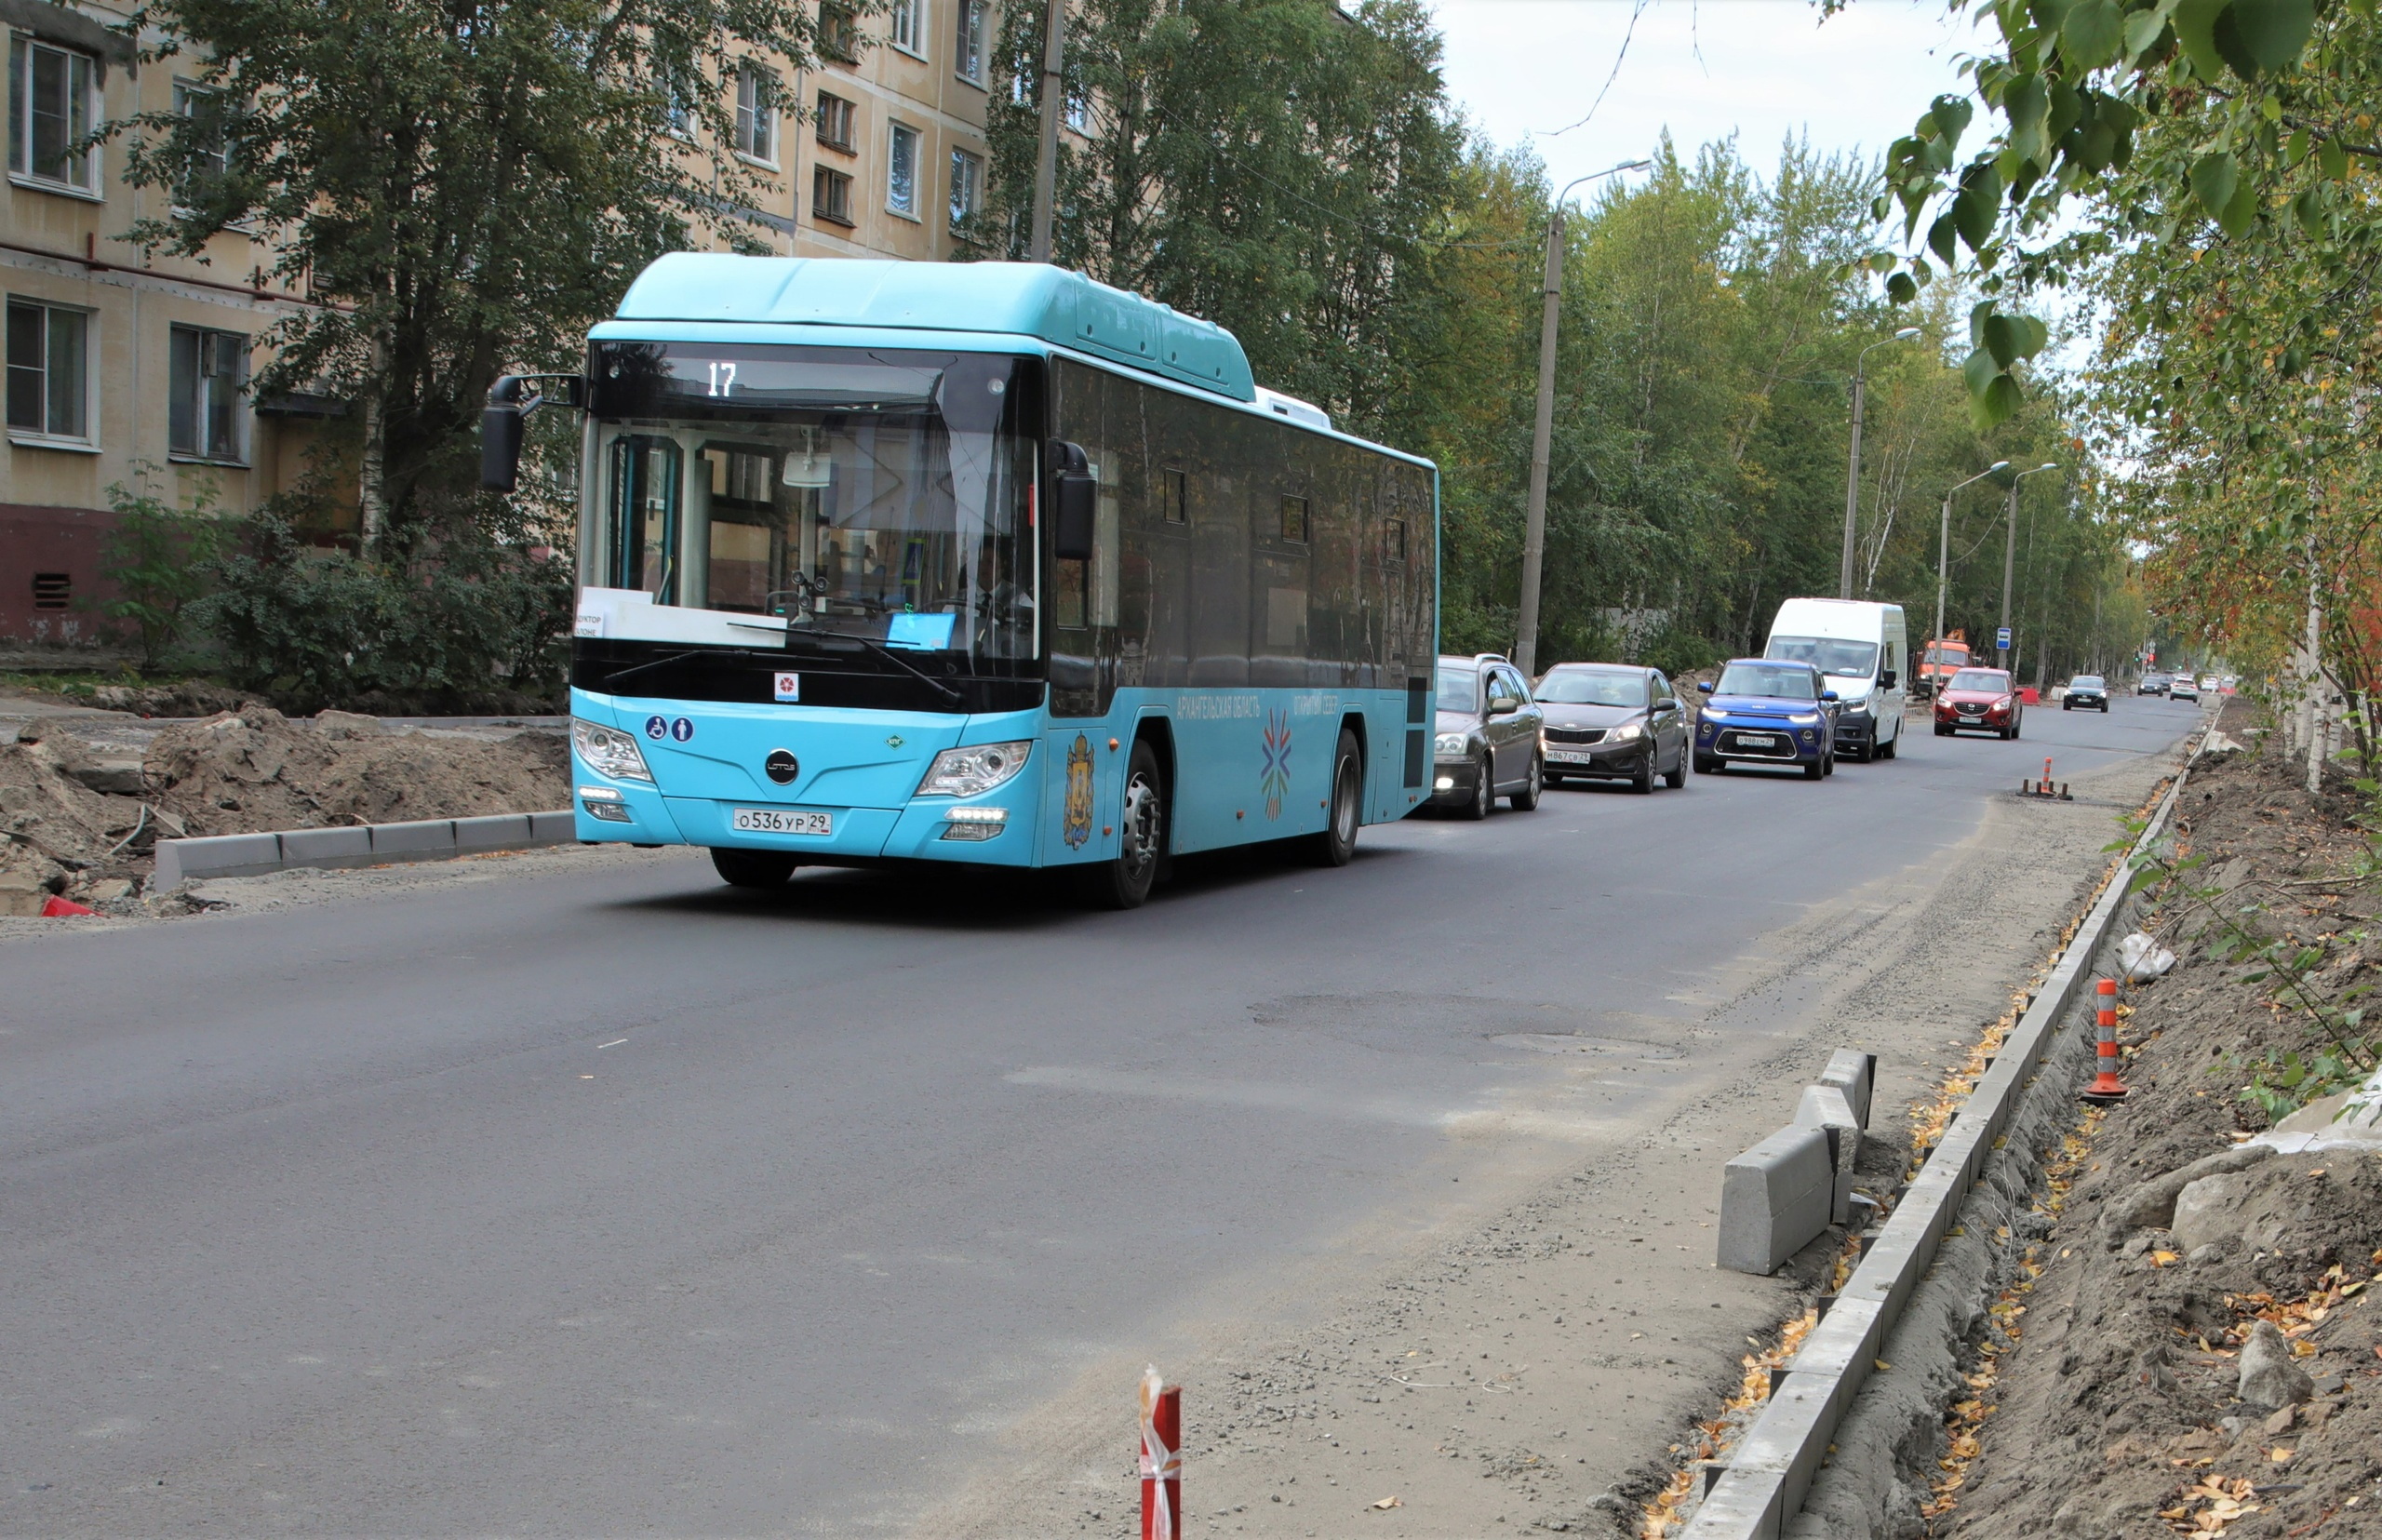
1503	705
1705	685
1668	703
1888	679
1828	695
1075	498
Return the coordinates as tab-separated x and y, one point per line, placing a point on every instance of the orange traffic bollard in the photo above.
1162	1458
2106	1087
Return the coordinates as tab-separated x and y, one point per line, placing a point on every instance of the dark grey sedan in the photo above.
2088	691
1613	722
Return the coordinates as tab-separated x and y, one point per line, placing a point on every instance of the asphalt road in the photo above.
633	1203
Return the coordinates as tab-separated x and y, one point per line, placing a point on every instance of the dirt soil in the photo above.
2110	1388
80	812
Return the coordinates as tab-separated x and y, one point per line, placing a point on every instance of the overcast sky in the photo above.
1761	69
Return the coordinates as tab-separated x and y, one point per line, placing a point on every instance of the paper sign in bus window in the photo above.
922	631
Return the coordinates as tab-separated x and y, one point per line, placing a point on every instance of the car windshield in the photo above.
1785	681
1592	686
1459	689
1981	678
870	492
1843	659
2085	681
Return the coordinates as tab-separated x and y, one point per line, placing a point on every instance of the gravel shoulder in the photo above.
1532	1345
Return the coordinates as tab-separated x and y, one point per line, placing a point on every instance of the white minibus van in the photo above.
1864	651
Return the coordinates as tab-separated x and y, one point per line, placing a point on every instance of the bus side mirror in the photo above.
513	397
1075	494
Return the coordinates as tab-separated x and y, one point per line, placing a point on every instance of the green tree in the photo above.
462	185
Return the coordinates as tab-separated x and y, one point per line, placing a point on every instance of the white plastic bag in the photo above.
2142	960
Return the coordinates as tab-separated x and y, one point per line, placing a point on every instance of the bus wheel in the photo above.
1124	880
1338	840
751	868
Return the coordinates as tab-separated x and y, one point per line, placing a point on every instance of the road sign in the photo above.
2001	640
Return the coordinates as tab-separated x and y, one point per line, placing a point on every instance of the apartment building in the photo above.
118	361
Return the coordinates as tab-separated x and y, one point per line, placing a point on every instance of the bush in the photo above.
158	559
465	623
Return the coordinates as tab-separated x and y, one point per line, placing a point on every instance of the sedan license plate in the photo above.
1756	739
1569	756
781	821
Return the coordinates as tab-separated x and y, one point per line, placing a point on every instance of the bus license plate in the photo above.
1756	739
782	821
1568	756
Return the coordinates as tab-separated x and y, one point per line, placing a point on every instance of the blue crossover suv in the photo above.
1766	711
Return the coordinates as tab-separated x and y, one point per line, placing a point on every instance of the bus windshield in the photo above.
862	491
1843	659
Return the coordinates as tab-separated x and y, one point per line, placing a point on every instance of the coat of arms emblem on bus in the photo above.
1077	827
1276	780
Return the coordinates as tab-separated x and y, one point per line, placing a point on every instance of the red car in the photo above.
1979	700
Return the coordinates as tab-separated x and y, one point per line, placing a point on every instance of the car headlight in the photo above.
972	771
1805	718
608	752
1450	744
1626	732
1711	715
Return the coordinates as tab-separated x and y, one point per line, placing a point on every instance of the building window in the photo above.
834	123
1078	112
203	417
49	114
904	26
1295	520
901	172
831	197
209	159
757	117
969	58
839	39
967	187
1173	504
1393	540
49	349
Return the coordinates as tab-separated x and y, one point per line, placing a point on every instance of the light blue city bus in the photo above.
986	563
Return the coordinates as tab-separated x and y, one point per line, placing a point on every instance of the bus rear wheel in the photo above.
1124	880
1337	843
751	868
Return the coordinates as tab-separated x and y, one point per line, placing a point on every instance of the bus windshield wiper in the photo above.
614	679
825	640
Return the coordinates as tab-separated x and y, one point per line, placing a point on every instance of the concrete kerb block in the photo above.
1744	1504
1856	1074
557	827
423	840
180	861
1826	1107
496	832
345	847
1775	1200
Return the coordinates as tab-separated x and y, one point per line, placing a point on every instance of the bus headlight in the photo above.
608	753
972	772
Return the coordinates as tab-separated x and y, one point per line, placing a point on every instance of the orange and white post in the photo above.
1162	1458
2105	1086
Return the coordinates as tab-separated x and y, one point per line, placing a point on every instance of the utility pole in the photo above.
1542	431
1046	169
1853	477
1944	546
2010	549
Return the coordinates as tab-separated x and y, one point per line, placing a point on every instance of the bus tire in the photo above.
751	868
1337	843
1124	880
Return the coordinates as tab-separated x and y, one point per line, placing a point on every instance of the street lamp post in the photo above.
2010	546
1853	477
1943	543
1534	521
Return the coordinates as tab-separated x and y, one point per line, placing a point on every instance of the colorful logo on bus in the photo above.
1274	783
1075	827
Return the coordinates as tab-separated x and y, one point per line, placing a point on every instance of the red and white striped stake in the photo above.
2045	787
2105	1086
1162	1458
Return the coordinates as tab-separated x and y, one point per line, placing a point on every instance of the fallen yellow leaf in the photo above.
2277	1453
1391	1502
2164	1259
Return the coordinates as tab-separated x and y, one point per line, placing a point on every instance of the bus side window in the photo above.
645	514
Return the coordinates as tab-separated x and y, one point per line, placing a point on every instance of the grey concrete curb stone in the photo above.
181	861
1775	1199
1856	1074
1773	1466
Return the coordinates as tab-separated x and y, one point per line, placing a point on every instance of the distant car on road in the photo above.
1613	721
2208	684
2151	684
1979	700
1486	743
1767	712
2182	689
2087	691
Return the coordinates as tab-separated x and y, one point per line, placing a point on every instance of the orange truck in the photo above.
1945	657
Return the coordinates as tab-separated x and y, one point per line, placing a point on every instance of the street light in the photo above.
2010	549
1535	522
1852	478
1943	541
